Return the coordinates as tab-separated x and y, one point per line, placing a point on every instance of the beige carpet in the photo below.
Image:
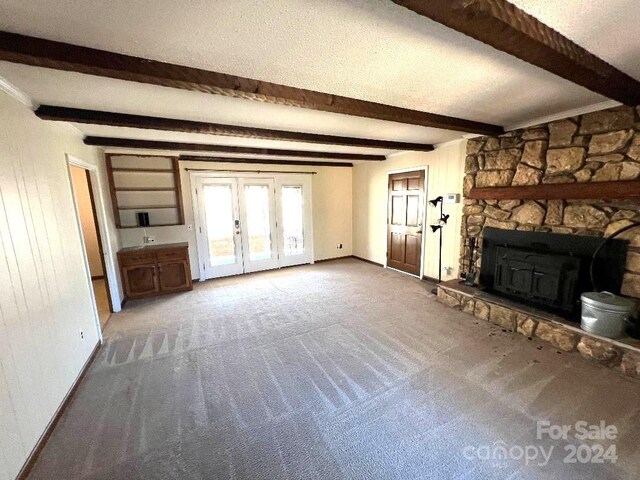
336	370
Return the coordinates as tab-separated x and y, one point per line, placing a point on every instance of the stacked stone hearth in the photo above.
595	147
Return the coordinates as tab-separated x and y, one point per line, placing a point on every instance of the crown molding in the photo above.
16	93
449	143
562	115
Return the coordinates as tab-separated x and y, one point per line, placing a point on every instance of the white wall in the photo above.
85	210
332	204
445	173
45	298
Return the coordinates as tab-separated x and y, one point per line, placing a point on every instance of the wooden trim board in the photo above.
222	149
504	26
367	261
260	161
40	52
627	189
115	119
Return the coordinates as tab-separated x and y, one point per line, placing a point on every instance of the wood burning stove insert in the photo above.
540	278
548	270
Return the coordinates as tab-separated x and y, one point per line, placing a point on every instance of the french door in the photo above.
249	224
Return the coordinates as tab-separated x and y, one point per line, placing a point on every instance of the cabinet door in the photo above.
140	280
174	275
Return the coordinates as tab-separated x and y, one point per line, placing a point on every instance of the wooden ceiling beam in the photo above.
95	117
63	56
505	27
262	161
200	147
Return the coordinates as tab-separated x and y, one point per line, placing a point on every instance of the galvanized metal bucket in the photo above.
605	314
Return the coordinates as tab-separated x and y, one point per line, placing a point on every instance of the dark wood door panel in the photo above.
142	258
398	210
413	249
173	254
174	276
396	250
140	280
413	211
415	183
399	185
405	211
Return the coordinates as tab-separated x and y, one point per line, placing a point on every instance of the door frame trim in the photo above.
100	215
194	174
424	216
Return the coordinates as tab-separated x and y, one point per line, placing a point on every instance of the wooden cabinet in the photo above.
155	270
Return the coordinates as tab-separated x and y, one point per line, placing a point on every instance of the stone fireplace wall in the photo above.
595	147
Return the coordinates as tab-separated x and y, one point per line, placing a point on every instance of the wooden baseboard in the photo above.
429	279
367	261
33	456
331	259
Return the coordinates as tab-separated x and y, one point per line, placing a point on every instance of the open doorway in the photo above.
84	197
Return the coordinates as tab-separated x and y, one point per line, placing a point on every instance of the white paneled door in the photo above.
249	224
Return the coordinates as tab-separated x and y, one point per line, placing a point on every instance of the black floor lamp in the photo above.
442	221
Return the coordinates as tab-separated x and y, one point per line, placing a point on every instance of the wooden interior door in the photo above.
404	221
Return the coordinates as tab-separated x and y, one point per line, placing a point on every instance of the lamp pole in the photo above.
441	222
440	249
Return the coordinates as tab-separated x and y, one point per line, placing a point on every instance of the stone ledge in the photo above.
622	355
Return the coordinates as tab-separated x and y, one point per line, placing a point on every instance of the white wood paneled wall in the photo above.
444	175
44	292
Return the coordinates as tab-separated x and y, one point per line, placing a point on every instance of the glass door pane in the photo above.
219	217
292	220
218	235
295	225
258	223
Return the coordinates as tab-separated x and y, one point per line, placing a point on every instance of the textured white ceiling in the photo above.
369	49
607	28
55	87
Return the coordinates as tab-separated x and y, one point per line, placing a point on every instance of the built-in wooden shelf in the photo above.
143	185
628	189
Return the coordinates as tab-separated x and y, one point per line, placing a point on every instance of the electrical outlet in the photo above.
81	334
150	239
339	246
